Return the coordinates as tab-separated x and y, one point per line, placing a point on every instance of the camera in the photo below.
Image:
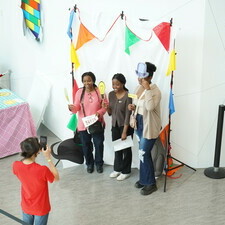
43	142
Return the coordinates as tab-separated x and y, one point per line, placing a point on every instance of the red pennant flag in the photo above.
75	89
162	31
84	36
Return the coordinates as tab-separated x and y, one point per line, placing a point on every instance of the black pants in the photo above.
123	158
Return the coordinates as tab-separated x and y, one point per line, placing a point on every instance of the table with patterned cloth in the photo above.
16	122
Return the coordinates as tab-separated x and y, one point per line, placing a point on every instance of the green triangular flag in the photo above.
130	39
72	125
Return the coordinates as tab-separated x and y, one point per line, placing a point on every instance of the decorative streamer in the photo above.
32	18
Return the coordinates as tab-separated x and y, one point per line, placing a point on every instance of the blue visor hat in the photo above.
142	70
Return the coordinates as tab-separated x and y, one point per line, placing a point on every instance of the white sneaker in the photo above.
114	174
123	176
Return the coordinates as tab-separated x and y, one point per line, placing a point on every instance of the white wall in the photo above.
198	81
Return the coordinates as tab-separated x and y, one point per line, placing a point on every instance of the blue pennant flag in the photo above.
171	103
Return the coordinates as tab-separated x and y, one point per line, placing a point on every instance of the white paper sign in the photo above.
88	120
122	144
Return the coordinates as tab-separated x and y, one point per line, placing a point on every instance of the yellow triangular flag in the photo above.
172	63
74	57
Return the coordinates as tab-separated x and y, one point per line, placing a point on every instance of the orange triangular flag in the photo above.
164	136
83	36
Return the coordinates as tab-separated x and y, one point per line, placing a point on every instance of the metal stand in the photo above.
216	172
169	147
167	162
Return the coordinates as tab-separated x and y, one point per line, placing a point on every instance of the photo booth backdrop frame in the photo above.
98	45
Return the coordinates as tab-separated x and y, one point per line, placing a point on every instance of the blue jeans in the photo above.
37	220
87	146
147	172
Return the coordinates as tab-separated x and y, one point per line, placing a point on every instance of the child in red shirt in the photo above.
34	180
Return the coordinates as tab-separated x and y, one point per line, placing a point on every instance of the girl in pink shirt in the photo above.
88	102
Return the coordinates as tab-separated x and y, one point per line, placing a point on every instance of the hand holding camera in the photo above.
44	148
43	142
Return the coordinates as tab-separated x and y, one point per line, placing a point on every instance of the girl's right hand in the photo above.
131	107
47	152
71	107
105	105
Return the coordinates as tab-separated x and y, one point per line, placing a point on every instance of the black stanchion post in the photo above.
216	172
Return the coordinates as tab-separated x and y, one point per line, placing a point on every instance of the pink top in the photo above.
92	103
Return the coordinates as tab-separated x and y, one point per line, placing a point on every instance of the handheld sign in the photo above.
132	96
101	87
66	95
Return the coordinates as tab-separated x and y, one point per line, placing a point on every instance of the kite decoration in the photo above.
32	17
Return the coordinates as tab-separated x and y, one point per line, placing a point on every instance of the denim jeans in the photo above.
147	172
37	220
87	146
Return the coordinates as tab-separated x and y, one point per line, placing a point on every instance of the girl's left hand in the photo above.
123	136
97	114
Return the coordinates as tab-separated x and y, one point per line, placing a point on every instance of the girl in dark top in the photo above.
118	109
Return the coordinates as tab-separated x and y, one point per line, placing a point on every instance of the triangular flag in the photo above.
130	39
74	57
172	63
162	31
164	136
171	103
72	125
69	29
75	89
83	36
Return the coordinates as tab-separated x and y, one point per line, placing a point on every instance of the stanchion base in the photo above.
215	173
